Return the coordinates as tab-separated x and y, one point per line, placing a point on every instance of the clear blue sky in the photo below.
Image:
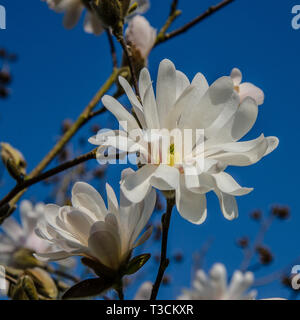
59	71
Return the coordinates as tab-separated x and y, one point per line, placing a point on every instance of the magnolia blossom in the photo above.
88	228
193	166
214	286
246	89
92	23
144	291
16	236
141	36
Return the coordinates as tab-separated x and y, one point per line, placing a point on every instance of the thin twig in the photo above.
258	241
210	11
174	13
131	66
31	181
112	49
81	120
164	261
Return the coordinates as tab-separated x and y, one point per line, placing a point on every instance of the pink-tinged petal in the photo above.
249	90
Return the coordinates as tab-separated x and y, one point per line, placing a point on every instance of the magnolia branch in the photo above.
83	118
112	49
210	11
31	181
131	65
164	261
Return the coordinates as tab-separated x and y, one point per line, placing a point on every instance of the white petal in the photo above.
204	112
182	82
249	90
227	184
136	185
239	284
88	199
79	224
150	109
165	178
165	88
52	256
236	76
137	107
113	205
105	248
120	112
201	83
273	143
191	206
145	236
12	229
242	153
228	205
138	221
144	292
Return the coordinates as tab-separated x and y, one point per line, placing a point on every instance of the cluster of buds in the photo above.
31	284
5	75
265	255
113	13
281	212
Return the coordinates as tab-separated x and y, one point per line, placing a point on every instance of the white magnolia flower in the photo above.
144	291
16	236
246	89
88	228
74	8
141	35
214	286
195	168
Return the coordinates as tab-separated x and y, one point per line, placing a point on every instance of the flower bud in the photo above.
141	37
110	13
23	258
24	289
43	282
14	161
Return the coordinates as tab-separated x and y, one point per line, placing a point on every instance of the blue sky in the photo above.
59	71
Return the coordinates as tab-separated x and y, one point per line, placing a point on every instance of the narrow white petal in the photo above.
191	206
120	112
228	205
165	88
227	184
